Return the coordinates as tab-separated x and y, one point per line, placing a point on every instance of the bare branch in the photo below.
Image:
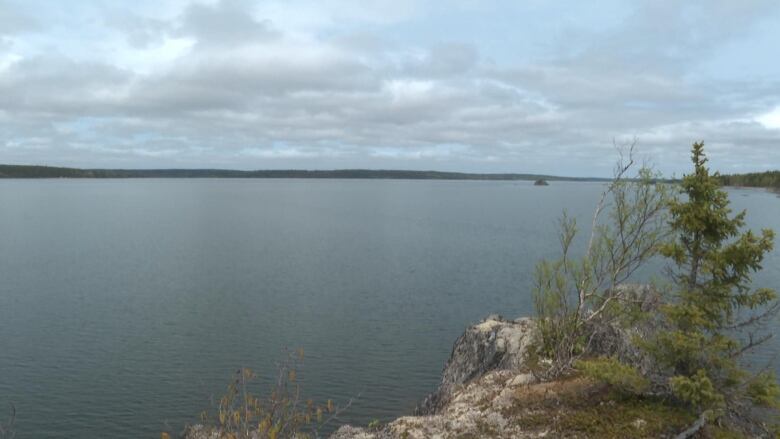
752	343
756	319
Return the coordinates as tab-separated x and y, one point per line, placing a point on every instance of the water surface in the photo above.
126	304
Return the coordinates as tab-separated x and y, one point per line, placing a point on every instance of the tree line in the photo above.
769	179
26	171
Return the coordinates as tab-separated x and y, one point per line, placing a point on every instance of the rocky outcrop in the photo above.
492	344
481	408
200	432
487	372
486	386
478	384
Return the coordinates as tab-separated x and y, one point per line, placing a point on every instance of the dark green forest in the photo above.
21	171
769	179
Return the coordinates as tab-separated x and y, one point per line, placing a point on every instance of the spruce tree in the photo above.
711	320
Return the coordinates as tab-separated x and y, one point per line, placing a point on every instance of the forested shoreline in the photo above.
25	171
769	179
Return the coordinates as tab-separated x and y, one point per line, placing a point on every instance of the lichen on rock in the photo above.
488	390
493	344
478	382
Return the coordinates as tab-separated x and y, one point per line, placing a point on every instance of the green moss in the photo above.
579	408
614	373
634	417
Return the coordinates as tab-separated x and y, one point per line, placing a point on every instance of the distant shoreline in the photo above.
770	189
23	171
44	172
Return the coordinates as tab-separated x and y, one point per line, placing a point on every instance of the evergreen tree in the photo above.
712	319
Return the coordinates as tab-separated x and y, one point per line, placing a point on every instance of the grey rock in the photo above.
493	344
350	432
487	366
200	432
619	342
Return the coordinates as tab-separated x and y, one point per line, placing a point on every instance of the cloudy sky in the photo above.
462	85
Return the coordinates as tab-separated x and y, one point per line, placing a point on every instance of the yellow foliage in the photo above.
276	414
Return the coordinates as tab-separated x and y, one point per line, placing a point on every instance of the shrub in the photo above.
696	390
576	297
612	372
280	413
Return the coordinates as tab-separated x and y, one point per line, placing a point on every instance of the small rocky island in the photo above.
541	182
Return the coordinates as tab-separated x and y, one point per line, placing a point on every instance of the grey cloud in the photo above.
140	32
444	60
360	100
13	21
363	43
246	85
236	109
665	36
225	23
54	84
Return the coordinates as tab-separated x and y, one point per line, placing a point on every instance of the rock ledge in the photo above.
479	381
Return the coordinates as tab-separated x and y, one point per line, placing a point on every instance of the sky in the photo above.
459	85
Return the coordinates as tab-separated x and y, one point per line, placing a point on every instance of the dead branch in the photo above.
752	343
694	428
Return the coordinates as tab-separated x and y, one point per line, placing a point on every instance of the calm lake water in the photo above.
126	304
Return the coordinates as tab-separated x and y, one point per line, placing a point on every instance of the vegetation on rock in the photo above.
576	297
619	376
578	407
708	320
608	360
714	313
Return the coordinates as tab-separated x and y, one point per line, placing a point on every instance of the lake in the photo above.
126	304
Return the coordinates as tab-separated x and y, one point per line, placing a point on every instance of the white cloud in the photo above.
770	119
250	84
6	60
154	58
